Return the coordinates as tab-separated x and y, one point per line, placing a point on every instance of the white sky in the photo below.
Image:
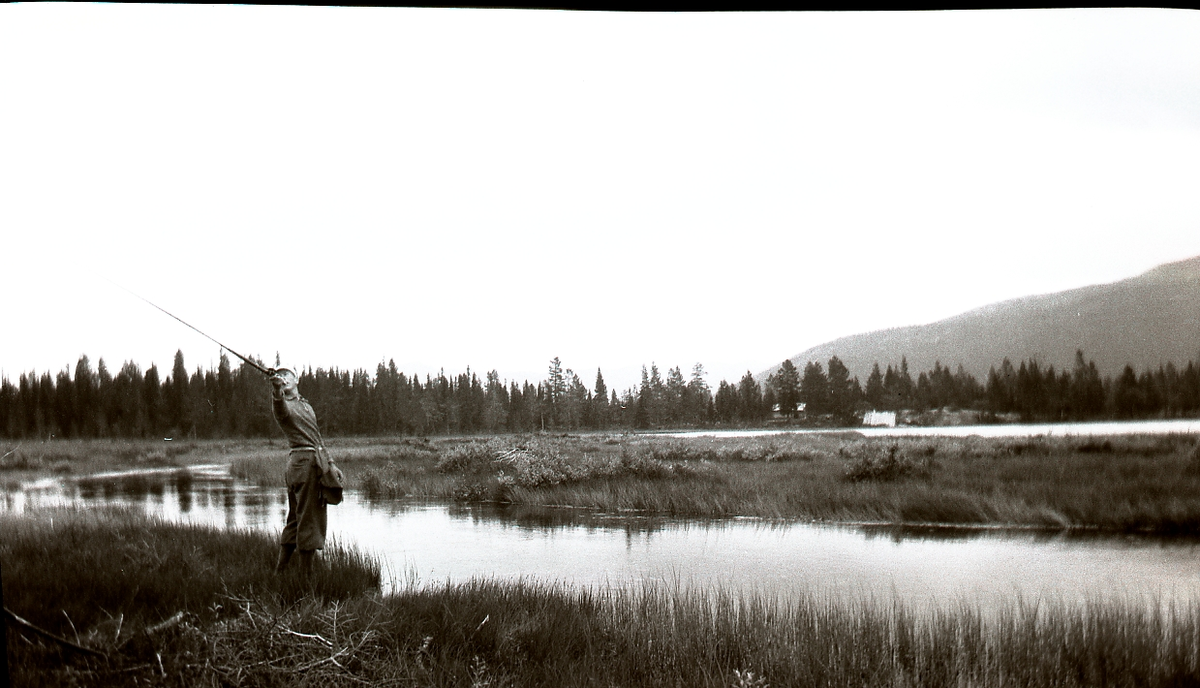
494	188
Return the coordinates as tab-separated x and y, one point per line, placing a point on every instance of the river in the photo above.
426	543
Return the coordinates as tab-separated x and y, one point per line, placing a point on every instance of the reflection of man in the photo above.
305	528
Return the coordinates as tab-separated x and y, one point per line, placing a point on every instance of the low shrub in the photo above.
475	457
890	466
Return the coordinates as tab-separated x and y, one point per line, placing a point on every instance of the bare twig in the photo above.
47	634
335	613
164	625
73	629
308	635
366	636
331	658
135	667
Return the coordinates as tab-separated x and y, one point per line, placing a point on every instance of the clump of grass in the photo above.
494	470
753	449
70	570
472	458
892	465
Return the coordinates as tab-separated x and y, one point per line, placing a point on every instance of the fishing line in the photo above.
249	362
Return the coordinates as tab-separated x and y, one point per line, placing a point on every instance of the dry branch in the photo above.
51	636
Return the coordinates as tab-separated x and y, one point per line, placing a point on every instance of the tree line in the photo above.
1029	391
234	402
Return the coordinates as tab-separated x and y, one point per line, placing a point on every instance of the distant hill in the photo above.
1144	321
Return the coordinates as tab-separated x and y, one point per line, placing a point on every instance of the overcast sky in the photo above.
494	188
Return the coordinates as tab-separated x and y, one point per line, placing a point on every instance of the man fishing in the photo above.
305	527
313	480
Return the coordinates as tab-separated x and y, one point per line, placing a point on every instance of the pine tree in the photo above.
555	390
177	397
495	412
600	403
65	407
906	387
105	400
786	385
814	389
153	391
876	393
84	416
1127	395
8	408
698	398
1087	389
751	407
843	393
130	418
656	407
675	392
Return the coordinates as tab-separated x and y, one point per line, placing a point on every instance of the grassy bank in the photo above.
1132	484
37	458
245	627
101	577
1127	483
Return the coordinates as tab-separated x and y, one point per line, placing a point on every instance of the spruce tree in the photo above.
786	384
750	400
814	389
842	391
600	403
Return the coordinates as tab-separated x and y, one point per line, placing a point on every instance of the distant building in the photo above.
880	418
776	413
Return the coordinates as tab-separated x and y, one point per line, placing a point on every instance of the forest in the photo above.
234	402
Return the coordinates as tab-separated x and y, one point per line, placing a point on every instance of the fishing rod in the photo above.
265	371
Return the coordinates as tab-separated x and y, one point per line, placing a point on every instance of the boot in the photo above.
306	561
285	555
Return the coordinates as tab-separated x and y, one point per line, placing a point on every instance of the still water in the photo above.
1147	427
434	543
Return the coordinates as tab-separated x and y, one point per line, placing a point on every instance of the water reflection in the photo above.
541	518
917	565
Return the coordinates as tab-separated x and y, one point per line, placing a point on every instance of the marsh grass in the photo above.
892	464
1123	483
74	456
486	633
105	573
1134	484
28	459
383	468
1126	483
101	578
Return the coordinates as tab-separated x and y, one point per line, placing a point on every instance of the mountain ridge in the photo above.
1143	321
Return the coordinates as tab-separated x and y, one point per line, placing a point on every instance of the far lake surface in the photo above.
1145	427
433	543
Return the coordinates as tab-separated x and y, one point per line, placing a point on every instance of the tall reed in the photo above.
113	573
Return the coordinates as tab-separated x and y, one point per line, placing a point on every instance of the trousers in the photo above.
306	519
